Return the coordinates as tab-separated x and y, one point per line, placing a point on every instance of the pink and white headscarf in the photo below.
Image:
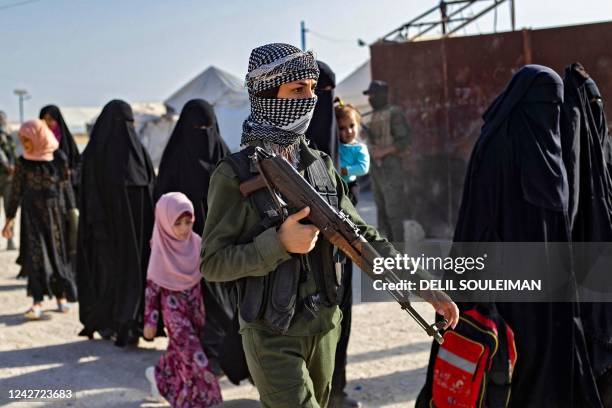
38	140
174	263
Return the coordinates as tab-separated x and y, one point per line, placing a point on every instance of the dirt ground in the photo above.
386	366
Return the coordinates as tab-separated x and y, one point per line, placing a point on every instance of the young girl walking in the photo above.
182	375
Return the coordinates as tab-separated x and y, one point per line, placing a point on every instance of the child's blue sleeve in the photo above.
362	162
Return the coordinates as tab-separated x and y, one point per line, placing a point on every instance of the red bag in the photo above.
473	368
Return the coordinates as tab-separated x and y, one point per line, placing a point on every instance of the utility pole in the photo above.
303	34
22	94
512	15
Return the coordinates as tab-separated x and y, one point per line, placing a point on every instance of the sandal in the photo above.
154	391
34	313
63	306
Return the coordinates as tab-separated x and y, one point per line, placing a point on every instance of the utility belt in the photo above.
275	299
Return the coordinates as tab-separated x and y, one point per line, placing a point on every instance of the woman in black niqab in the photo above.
584	142
115	226
516	191
323	130
192	153
600	123
190	157
66	141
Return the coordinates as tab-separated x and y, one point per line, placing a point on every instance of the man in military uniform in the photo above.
289	318
388	137
7	165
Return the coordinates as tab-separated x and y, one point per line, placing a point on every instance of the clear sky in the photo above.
86	52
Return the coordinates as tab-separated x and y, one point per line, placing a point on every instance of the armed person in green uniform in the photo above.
7	166
388	136
288	278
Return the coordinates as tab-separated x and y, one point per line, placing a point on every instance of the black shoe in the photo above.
341	400
106	334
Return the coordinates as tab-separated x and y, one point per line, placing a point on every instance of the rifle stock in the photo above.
277	174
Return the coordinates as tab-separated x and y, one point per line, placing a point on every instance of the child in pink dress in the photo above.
182	375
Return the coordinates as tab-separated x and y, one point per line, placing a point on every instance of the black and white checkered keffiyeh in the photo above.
278	121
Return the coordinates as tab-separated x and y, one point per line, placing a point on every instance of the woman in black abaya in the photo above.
584	137
52	115
192	153
323	135
115	227
516	191
323	129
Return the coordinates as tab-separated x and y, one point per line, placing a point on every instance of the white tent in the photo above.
225	92
77	117
351	88
154	133
153	126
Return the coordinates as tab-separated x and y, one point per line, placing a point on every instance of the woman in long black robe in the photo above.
55	120
584	133
323	135
323	129
115	226
516	191
192	153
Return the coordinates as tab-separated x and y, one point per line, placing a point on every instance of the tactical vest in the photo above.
380	127
275	299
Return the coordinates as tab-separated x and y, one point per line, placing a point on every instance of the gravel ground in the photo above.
388	354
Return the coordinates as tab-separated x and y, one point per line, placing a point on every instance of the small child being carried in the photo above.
354	156
182	375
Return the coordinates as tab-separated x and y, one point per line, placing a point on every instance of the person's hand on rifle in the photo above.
298	238
443	305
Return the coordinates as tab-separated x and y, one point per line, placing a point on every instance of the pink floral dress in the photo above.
182	374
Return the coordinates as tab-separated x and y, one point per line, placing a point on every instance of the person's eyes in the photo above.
299	90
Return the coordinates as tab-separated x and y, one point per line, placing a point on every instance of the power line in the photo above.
328	38
21	3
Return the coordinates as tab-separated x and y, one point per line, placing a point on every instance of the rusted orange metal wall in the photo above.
445	85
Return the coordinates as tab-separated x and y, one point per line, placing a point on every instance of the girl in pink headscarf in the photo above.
182	375
41	187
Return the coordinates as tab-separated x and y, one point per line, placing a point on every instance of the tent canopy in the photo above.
213	85
225	92
76	117
351	88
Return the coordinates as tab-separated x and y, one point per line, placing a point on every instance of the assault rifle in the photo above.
276	174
